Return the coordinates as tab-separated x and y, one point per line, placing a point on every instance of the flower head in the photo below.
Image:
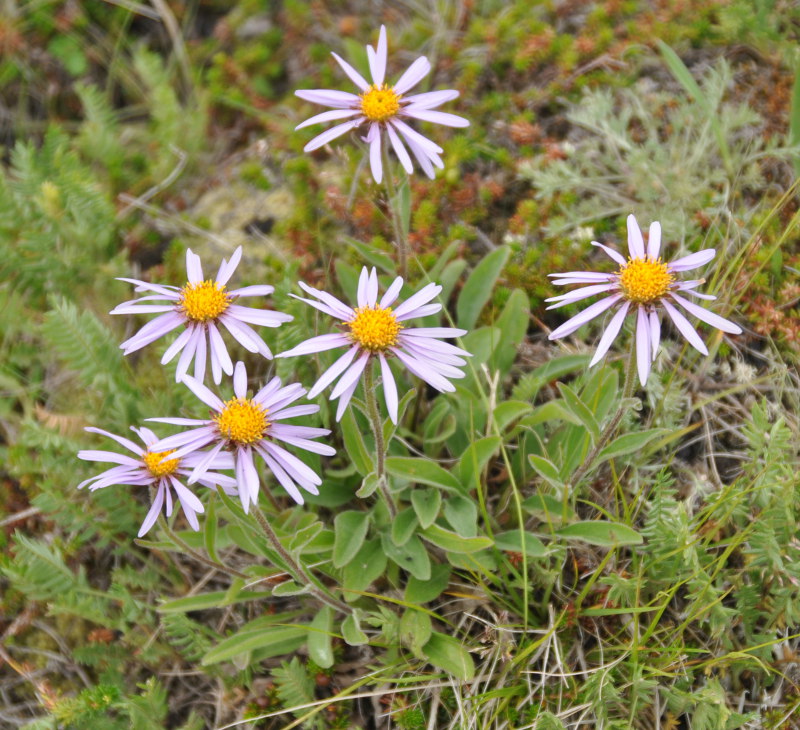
157	467
381	108
374	330
203	307
644	285
247	426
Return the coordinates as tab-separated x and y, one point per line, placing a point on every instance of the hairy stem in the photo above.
611	427
391	192
297	569
380	446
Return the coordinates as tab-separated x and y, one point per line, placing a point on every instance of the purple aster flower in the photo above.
381	108
374	331
249	426
644	285
152	466
201	305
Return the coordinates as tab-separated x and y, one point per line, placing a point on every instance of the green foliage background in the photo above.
659	591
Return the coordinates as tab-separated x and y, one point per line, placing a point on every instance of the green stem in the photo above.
298	571
380	446
391	191
611	427
162	521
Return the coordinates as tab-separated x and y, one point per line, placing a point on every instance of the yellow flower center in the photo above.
204	301
380	103
157	467
644	281
242	421
375	329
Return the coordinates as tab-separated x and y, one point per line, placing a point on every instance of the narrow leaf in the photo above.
320	649
350	530
453	542
479	286
422	471
446	653
605	534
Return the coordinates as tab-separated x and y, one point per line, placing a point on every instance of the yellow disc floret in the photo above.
158	465
242	421
375	329
204	301
644	281
380	103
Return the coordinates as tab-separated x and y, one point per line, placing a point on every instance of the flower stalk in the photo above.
611	427
380	445
393	200
295	567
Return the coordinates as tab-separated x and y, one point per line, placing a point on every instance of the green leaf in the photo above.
512	541
415	630
513	323
269	640
449	277
794	116
529	385
302	537
247	539
452	249
372	255
368	486
412	556
354	444
203	601
404	526
549	721
426	504
453	542
290	588
404	206
389	428
348	277
628	443
475	458
210	528
365	567
320	648
580	409
479	286
351	630
545	469
685	78
446	653
548	506
462	514
598	532
67	49
421	471
422	591
350	529
480	342
551	411
509	411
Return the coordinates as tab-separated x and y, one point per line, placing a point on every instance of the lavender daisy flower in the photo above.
374	331
381	108
159	468
644	285
249	426
202	306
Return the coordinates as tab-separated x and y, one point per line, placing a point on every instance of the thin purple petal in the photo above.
610	334
635	239
685	328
